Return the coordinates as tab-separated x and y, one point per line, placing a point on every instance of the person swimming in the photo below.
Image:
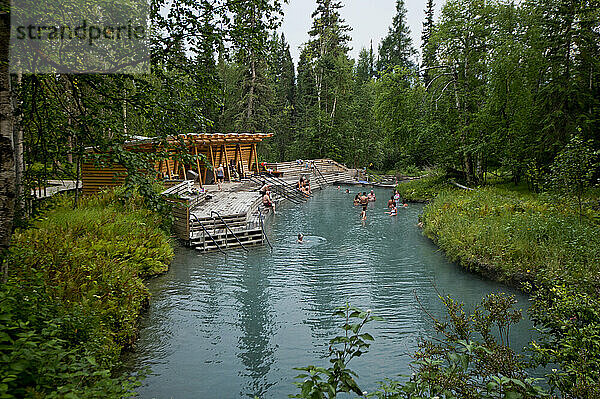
300	238
393	210
357	199
391	202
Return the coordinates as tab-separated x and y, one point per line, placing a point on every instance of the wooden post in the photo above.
256	158
198	165
250	159
212	159
227	163
183	168
168	168
237	160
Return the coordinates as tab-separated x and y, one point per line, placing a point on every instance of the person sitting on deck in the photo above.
220	176
268	201
371	196
307	189
301	183
266	187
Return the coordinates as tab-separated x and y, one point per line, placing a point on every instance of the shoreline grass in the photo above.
74	295
514	236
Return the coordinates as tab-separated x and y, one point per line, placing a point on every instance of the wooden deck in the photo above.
219	220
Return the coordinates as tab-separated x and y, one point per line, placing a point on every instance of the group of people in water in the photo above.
363	199
303	186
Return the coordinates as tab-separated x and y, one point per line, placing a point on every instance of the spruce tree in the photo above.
326	63
397	48
426	46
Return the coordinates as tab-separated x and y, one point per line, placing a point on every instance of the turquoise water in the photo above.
235	326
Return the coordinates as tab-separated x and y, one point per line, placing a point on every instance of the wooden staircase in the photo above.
216	235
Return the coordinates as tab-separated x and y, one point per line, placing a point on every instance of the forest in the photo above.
495	91
501	88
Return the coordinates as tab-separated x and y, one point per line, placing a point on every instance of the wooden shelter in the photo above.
236	152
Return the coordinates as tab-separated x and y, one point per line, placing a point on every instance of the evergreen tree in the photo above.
284	92
252	22
327	63
427	48
397	48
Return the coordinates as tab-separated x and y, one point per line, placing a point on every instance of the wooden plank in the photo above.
198	165
224	148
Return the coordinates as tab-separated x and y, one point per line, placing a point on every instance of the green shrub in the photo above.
424	189
81	270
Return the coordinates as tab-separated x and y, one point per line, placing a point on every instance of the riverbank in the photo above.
426	188
515	237
74	293
539	244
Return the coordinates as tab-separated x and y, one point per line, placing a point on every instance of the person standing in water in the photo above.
397	198
364	202
371	196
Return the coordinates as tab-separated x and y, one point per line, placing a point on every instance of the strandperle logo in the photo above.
79	36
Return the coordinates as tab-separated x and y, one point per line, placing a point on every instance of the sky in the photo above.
369	20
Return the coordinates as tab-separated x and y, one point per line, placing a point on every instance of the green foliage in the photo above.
469	358
472	359
74	294
514	236
425	188
573	169
320	382
569	318
47	351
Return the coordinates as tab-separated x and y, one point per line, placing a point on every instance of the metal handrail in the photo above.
262	227
292	188
209	235
228	228
321	174
285	194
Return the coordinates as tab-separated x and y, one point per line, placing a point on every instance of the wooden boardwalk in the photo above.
218	220
54	187
227	203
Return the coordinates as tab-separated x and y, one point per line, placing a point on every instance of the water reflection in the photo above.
256	321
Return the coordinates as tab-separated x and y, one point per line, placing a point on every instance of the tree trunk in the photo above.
18	143
7	161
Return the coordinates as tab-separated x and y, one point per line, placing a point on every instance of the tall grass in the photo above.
424	189
515	236
84	268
